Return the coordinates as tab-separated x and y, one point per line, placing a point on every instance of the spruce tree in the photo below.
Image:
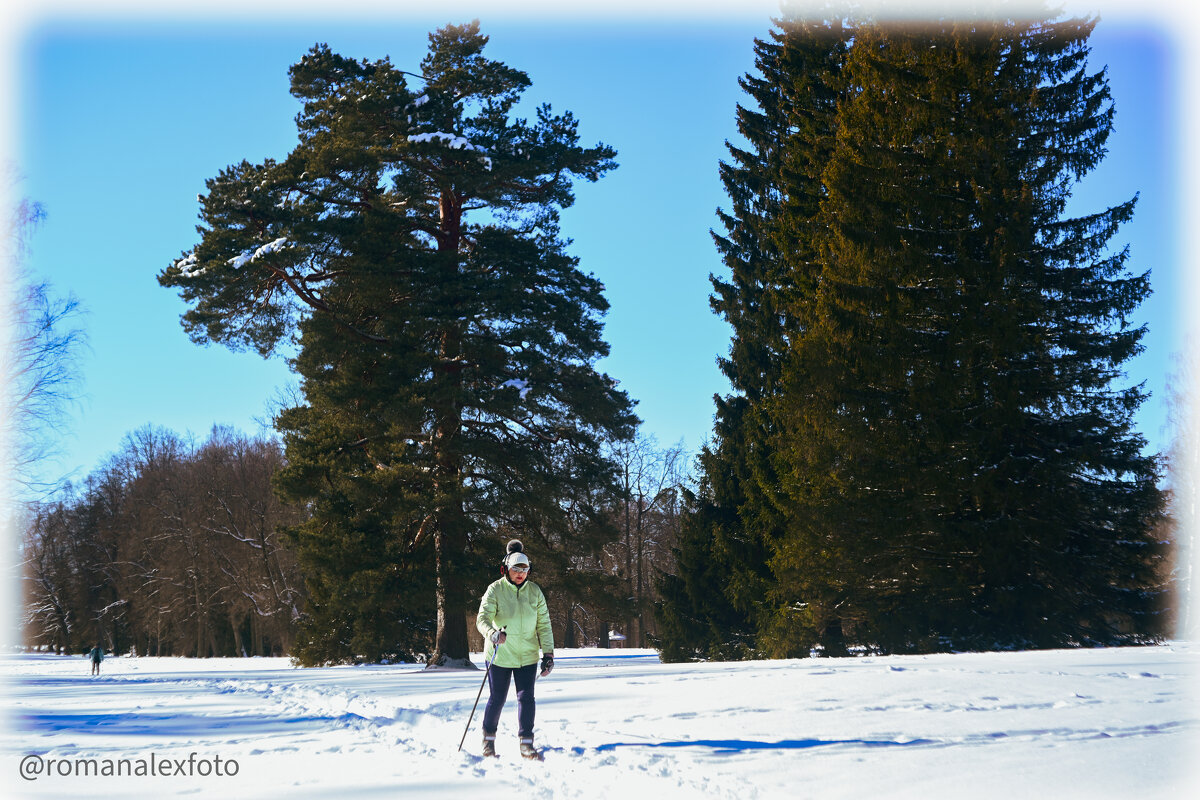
961	462
929	445
712	603
445	338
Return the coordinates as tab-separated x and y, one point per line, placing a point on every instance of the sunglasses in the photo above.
518	569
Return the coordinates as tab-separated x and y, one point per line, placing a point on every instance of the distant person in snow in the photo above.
515	624
97	655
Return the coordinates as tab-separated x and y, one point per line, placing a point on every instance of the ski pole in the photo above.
480	694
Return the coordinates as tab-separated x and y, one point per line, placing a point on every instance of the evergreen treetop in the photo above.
927	357
447	341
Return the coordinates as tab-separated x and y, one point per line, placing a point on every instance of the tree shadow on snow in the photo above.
725	746
169	724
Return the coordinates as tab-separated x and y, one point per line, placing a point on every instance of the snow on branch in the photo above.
189	267
237	262
453	141
520	385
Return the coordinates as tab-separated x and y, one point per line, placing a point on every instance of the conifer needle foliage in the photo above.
409	250
930	441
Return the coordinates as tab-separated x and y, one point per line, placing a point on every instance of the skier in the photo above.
516	605
97	655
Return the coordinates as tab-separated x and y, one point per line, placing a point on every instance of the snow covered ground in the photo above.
1118	723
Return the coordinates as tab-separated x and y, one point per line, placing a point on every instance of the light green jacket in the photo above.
522	612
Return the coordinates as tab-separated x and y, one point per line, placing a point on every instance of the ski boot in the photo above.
527	748
489	744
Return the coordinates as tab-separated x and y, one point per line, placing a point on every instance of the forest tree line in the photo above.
173	547
168	548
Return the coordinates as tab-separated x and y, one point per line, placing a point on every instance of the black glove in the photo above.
547	664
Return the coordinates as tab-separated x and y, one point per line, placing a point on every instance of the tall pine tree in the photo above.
446	339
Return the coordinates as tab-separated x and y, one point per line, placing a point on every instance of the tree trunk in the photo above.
834	639
239	649
628	622
199	620
64	630
451	647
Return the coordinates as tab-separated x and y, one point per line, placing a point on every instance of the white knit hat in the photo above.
516	556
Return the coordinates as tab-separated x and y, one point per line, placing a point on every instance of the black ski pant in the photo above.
498	681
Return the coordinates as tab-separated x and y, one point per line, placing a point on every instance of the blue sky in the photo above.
119	125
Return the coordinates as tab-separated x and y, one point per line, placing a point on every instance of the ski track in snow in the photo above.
620	724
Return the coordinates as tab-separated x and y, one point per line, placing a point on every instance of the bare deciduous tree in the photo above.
648	516
1182	522
170	549
40	365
